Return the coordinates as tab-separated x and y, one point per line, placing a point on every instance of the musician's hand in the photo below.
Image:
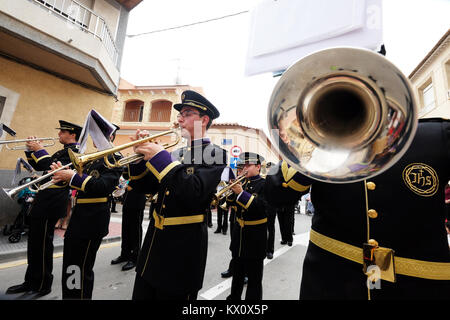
237	188
139	135
33	145
61	175
148	149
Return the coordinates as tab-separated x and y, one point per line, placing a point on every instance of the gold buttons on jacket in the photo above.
164	206
372	213
167	192
370	185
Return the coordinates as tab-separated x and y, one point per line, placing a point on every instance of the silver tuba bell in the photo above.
342	115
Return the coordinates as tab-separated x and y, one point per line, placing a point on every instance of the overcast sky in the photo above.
212	55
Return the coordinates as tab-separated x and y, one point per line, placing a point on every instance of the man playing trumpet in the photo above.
249	237
49	206
172	260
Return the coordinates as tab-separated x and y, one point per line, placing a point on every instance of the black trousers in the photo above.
132	217
253	269
286	221
222	219
209	217
78	264
40	253
144	291
271	231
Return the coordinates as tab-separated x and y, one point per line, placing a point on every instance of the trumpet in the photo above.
342	115
79	161
24	147
10	206
226	191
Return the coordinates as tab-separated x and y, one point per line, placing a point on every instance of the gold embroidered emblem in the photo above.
421	179
190	170
95	174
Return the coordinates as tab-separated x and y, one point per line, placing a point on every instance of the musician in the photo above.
400	209
132	216
249	239
222	214
231	203
88	225
172	261
48	207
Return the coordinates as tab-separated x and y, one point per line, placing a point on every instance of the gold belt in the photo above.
243	223
403	266
92	200
161	221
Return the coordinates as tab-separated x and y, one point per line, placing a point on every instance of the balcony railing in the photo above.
85	19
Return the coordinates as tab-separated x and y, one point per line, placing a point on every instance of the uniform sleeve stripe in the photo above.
164	172
245	199
78	182
39	155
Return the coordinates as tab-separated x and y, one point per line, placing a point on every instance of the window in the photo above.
133	111
428	98
161	111
227	141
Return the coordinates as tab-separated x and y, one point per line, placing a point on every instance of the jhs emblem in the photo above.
421	179
190	170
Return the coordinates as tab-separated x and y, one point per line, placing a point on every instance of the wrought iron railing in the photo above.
84	18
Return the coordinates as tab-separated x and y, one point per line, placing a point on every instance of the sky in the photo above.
212	55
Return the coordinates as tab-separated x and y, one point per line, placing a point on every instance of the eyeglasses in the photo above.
186	113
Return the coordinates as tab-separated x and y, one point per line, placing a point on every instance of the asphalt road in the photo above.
281	279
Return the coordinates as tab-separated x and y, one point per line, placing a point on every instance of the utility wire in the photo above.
186	25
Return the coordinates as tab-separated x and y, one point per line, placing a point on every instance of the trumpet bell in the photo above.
342	115
9	208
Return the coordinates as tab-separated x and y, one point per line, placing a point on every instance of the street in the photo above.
281	279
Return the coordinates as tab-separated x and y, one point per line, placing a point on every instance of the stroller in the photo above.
21	224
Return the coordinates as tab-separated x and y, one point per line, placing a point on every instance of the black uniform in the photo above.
49	205
286	221
132	216
88	225
406	213
222	218
172	260
271	214
249	240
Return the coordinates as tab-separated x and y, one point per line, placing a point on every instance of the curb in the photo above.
58	248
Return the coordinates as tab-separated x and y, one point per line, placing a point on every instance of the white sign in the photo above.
282	32
236	151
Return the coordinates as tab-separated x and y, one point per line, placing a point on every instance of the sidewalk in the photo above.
14	251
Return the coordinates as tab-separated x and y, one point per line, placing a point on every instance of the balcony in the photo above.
61	37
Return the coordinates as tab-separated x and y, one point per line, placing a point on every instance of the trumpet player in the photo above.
171	263
88	224
49	206
249	238
222	207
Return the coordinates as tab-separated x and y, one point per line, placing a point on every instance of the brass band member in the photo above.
401	209
249	239
222	213
132	216
172	260
88	225
49	206
231	203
